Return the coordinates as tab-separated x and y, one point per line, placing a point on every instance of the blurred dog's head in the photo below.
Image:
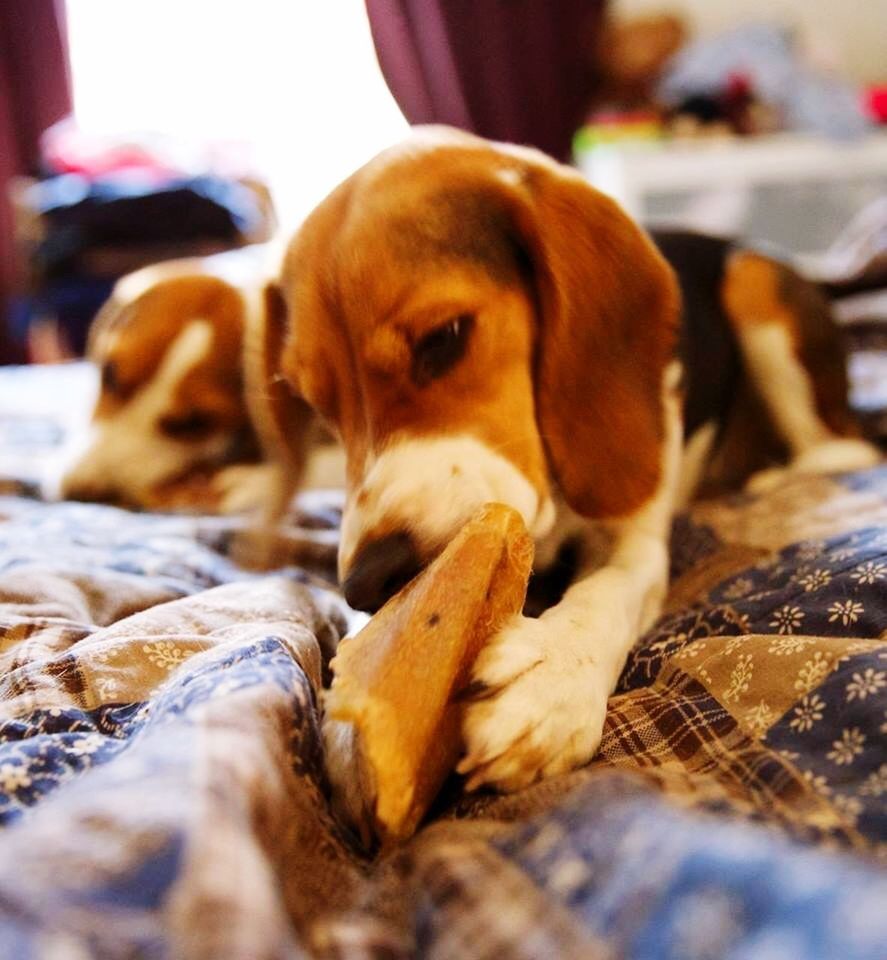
477	324
168	346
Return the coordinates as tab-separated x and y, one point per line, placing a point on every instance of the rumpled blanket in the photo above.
162	783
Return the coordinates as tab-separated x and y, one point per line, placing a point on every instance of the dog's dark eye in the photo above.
441	349
110	378
190	426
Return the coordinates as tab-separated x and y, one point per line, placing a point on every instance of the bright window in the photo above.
297	79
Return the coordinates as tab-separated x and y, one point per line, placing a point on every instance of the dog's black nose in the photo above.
90	493
379	570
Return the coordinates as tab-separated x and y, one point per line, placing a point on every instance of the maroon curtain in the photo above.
35	91
514	70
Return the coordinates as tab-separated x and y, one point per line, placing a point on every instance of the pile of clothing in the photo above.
107	206
656	79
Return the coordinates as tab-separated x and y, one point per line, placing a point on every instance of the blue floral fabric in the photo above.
657	883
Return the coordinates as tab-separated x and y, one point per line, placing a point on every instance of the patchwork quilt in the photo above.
162	782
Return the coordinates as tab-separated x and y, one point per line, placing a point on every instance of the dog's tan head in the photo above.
168	347
477	324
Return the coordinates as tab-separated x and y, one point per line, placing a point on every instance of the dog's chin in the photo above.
427	489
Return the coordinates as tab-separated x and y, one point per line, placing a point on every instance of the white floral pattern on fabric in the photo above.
731	644
847	611
108	688
807	712
760	718
814	580
809	550
741	587
740	677
817	782
787	619
869	572
848	748
849	806
13	777
164	653
876	783
813	672
868	682
86	746
786	646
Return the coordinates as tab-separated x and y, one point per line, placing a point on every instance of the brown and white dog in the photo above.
476	323
188	388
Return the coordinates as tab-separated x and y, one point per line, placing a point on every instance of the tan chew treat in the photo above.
397	680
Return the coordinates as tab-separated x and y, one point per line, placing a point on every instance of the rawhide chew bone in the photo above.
393	702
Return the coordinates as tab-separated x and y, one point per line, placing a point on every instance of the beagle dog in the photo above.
188	409
476	323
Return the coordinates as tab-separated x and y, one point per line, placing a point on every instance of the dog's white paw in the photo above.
766	480
541	704
245	488
839	455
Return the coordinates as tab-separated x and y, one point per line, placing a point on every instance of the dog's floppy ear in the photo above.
318	360
282	418
608	309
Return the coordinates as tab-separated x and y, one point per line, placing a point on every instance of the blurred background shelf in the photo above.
795	191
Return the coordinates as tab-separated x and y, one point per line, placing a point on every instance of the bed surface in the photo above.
162	789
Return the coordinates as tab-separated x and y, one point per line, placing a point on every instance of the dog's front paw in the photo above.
838	455
245	488
539	707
